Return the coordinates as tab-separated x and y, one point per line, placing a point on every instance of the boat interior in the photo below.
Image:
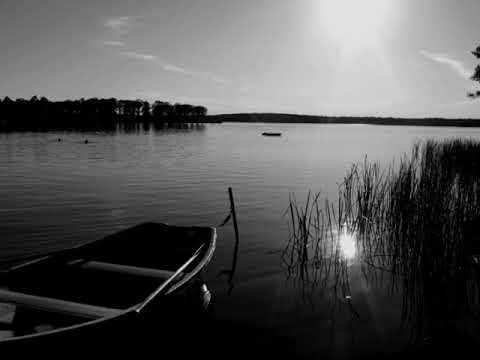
102	278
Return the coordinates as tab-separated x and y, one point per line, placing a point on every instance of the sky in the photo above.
409	58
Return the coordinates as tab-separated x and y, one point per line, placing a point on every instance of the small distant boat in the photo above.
106	287
272	134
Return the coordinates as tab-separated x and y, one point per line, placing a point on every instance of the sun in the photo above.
355	22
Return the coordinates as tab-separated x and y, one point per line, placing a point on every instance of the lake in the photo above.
59	193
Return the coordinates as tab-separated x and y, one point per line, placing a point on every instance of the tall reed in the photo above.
417	220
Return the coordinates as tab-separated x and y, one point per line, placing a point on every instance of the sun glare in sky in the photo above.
355	22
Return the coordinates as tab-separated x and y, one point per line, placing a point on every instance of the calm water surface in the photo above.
55	194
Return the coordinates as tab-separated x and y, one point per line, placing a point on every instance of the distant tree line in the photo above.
43	114
476	74
319	119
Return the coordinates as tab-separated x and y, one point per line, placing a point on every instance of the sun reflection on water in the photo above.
347	243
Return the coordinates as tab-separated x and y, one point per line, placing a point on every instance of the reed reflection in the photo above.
319	251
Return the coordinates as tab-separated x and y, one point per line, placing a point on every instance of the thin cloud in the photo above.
173	68
119	24
170	67
454	64
114	43
139	56
195	73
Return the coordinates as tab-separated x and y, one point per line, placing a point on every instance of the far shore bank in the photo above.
348	120
131	123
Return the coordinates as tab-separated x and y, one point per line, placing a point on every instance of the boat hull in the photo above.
117	272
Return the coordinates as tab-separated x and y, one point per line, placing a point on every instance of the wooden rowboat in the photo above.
97	290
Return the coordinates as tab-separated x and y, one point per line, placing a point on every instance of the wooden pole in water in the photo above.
234	214
237	237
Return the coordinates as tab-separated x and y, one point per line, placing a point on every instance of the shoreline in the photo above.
343	120
251	118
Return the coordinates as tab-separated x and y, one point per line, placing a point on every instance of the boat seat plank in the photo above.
56	305
156	274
